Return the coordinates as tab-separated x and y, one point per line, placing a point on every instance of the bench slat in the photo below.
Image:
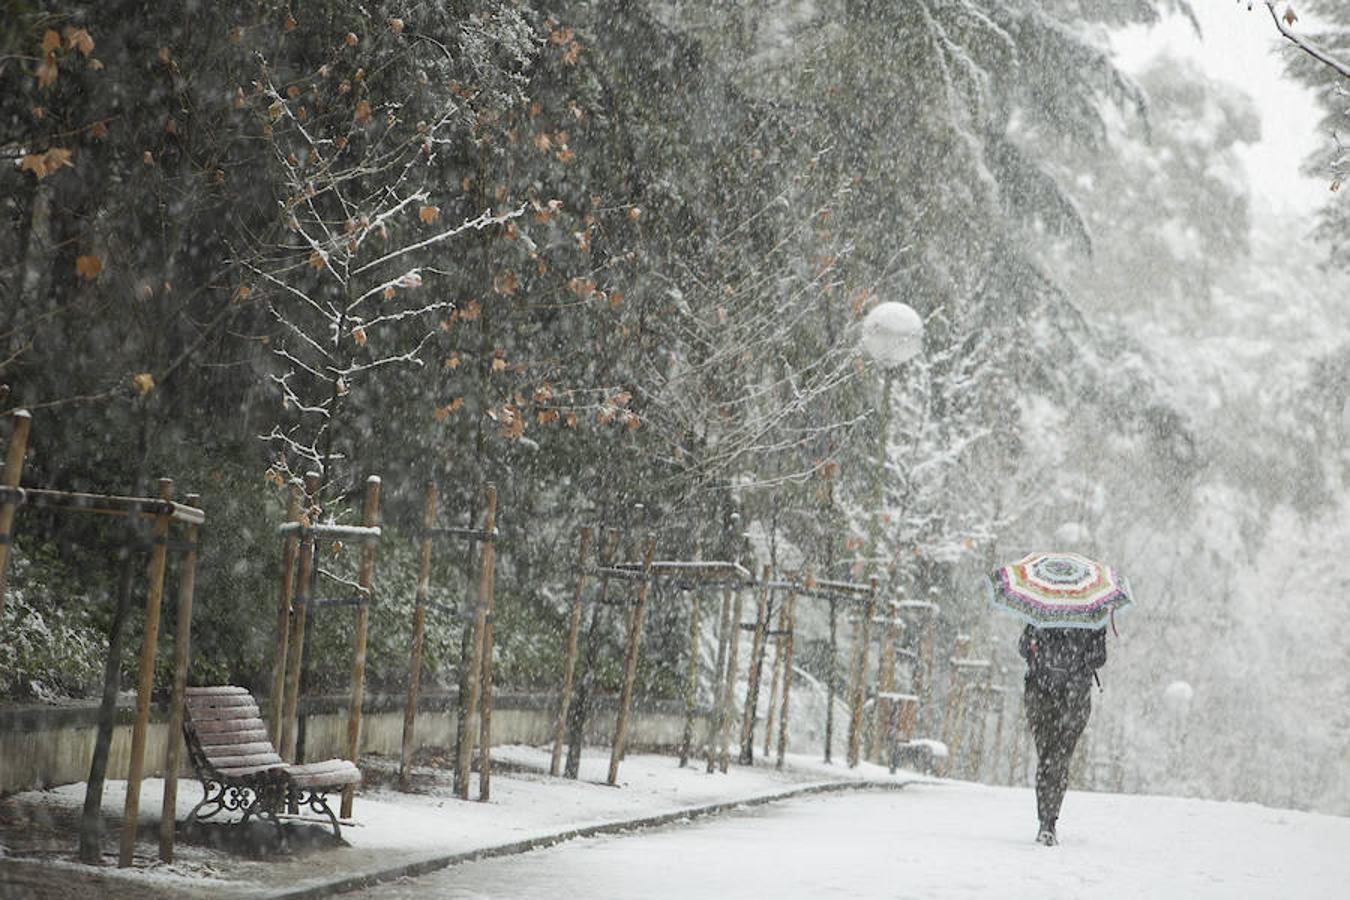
241	748
224	763
218	726
249	770
318	768
225	712
215	691
219	700
209	741
328	779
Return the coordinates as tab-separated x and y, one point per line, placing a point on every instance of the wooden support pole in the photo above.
790	639
954	698
855	721
289	548
885	711
773	680
630	661
182	642
829	679
14	456
477	626
724	637
762	612
489	560
570	654
290	710
729	691
145	678
579	711
369	516
691	684
419	618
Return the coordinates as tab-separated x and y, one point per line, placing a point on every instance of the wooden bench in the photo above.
240	770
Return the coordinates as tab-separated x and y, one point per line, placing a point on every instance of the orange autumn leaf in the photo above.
498	363
570	420
47	71
44	164
362	112
88	267
441	413
359	335
428	214
396	26
453	361
290	23
548	416
144	383
79	39
317	261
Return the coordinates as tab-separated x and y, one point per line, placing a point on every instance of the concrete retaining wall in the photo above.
45	746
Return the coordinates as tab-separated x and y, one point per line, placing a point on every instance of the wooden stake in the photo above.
14	456
475	668
953	700
885	712
187	583
369	517
419	616
762	613
290	708
577	715
691	684
630	661
724	634
146	678
489	622
855	721
773	681
729	691
570	655
790	626
289	548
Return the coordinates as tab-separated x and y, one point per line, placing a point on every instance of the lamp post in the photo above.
892	334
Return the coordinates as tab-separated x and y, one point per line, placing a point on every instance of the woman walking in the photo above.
1061	665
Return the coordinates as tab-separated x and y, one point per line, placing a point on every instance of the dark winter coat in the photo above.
1062	658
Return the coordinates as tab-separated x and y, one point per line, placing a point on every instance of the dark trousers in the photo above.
1057	717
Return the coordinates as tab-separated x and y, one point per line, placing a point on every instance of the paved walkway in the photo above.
396	833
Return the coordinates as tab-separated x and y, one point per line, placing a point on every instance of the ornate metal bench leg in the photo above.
218	800
319	803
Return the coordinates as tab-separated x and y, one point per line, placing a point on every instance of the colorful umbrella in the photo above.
1059	590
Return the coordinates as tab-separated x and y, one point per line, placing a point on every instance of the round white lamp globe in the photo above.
892	333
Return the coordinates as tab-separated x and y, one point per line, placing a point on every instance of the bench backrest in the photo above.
225	733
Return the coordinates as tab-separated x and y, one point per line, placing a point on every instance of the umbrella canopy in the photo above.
1059	590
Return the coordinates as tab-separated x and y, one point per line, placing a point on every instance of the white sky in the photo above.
1243	48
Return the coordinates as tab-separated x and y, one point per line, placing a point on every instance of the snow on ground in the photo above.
948	840
393	828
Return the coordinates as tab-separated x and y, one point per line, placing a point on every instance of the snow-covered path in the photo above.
948	840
